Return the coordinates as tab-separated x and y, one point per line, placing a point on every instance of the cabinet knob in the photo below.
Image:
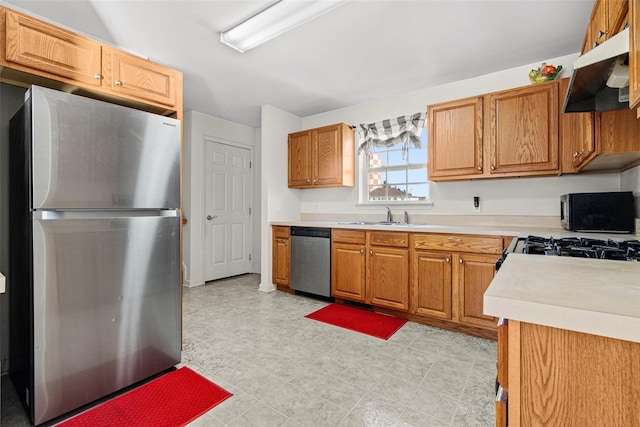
595	44
460	260
97	76
370	252
577	154
308	180
315	180
602	33
454	239
479	168
493	168
117	83
361	251
447	260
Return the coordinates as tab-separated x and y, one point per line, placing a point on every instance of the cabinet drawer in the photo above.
389	238
348	236
459	243
281	231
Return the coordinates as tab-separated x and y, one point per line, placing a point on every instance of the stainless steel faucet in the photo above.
388	214
406	217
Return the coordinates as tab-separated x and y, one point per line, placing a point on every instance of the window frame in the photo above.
363	180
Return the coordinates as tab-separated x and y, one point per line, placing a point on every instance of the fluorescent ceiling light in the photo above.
277	19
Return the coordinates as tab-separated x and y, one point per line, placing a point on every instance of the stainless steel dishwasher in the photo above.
311	260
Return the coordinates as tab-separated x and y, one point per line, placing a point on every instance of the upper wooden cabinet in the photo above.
132	76
509	133
322	157
457	128
577	135
607	19
35	45
634	55
521	130
37	52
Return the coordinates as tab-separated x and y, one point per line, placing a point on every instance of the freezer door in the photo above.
106	309
92	154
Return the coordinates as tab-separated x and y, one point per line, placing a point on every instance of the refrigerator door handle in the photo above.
97	214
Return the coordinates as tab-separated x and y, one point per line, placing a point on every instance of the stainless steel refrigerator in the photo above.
94	282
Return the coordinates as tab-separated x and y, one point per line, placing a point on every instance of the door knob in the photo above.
209	217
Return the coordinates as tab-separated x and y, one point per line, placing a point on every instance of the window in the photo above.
390	176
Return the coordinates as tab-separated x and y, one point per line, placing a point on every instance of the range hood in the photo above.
600	79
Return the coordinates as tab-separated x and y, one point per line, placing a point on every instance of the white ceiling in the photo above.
361	51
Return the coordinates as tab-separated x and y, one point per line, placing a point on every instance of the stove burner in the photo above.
583	247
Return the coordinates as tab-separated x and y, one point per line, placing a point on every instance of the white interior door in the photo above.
228	195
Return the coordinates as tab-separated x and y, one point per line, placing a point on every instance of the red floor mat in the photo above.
355	319
171	400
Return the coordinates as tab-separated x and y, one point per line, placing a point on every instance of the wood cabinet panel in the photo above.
522	131
634	54
475	274
577	135
455	138
322	157
388	277
56	52
132	76
568	378
597	31
459	243
348	271
389	238
281	256
299	159
431	284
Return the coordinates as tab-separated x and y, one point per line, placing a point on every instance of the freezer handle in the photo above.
102	214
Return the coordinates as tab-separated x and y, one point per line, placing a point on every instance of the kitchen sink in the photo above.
379	223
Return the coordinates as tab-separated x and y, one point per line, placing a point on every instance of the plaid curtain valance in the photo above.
391	132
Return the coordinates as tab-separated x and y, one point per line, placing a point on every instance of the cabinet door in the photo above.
52	51
475	272
300	160
521	130
617	132
388	277
281	256
134	77
348	271
455	138
327	156
634	54
577	135
431	284
597	31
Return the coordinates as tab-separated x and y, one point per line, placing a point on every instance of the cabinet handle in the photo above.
577	154
447	260
602	33
460	260
97	76
454	239
117	83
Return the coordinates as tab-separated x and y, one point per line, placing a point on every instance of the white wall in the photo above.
198	127
516	196
630	181
279	203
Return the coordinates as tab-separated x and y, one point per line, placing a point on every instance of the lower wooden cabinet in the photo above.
475	273
388	270
281	257
348	262
431	284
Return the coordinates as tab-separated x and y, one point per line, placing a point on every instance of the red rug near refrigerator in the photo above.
172	400
355	319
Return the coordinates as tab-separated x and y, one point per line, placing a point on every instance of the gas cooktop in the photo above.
582	247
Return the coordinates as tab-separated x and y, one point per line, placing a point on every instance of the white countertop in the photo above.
600	297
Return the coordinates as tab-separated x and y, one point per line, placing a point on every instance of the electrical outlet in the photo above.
476	204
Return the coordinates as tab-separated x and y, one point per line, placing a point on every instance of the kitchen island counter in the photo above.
599	297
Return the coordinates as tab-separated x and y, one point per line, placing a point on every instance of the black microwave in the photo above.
611	212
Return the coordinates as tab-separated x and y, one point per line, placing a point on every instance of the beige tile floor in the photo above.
286	370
